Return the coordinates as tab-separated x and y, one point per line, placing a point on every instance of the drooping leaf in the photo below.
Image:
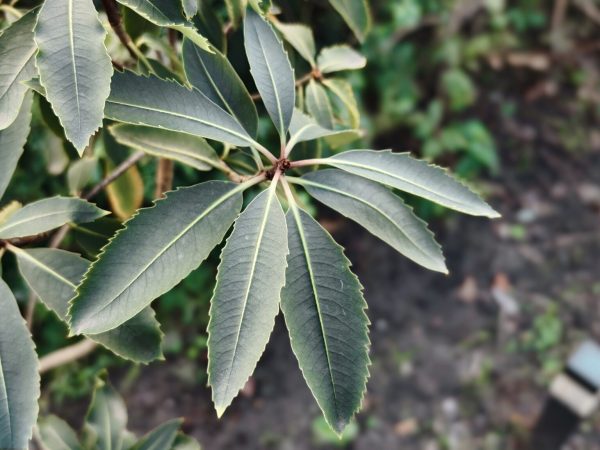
54	275
324	311
56	434
211	26
74	66
161	438
167	13
338	58
318	104
380	211
165	104
12	141
246	298
304	128
19	378
190	8
191	150
357	15
214	76
300	37
106	420
343	90
17	50
271	70
178	233
47	214
401	171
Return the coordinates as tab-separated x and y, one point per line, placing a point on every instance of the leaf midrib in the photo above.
8	225
365	202
74	65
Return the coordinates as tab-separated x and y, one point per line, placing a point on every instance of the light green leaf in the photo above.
236	10
343	90
191	150
318	104
167	13
246	298
81	173
324	311
74	66
304	128
338	58
12	141
401	171
106	420
271	70
178	233
214	76
161	438
47	214
165	104
17	50
190	8
378	210
357	15
300	37
19	378
8	210
54	275
56	434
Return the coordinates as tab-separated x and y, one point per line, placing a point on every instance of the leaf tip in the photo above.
220	410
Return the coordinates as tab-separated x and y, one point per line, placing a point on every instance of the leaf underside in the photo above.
324	311
177	234
19	378
74	66
54	275
246	298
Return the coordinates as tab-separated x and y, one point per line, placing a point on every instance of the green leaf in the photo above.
378	210
106	420
54	275
81	173
167	13
17	50
178	233
161	438
56	434
214	76
300	37
191	150
183	442
304	128
271	70
318	104
211	26
236	10
47	214
401	171
166	104
324	311
74	66
340	57
246	298
19	378
357	15
343	90
12	141
190	8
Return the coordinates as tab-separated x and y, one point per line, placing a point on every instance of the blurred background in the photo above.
505	93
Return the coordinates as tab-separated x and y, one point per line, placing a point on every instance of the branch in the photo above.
114	18
66	355
164	177
119	170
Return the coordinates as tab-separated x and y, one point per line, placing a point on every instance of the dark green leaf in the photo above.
161	438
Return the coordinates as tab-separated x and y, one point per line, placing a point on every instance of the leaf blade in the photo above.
246	297
150	101
332	353
56	434
19	378
172	227
378	210
357	15
161	438
47	214
74	66
340	57
318	104
401	171
271	70
300	37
